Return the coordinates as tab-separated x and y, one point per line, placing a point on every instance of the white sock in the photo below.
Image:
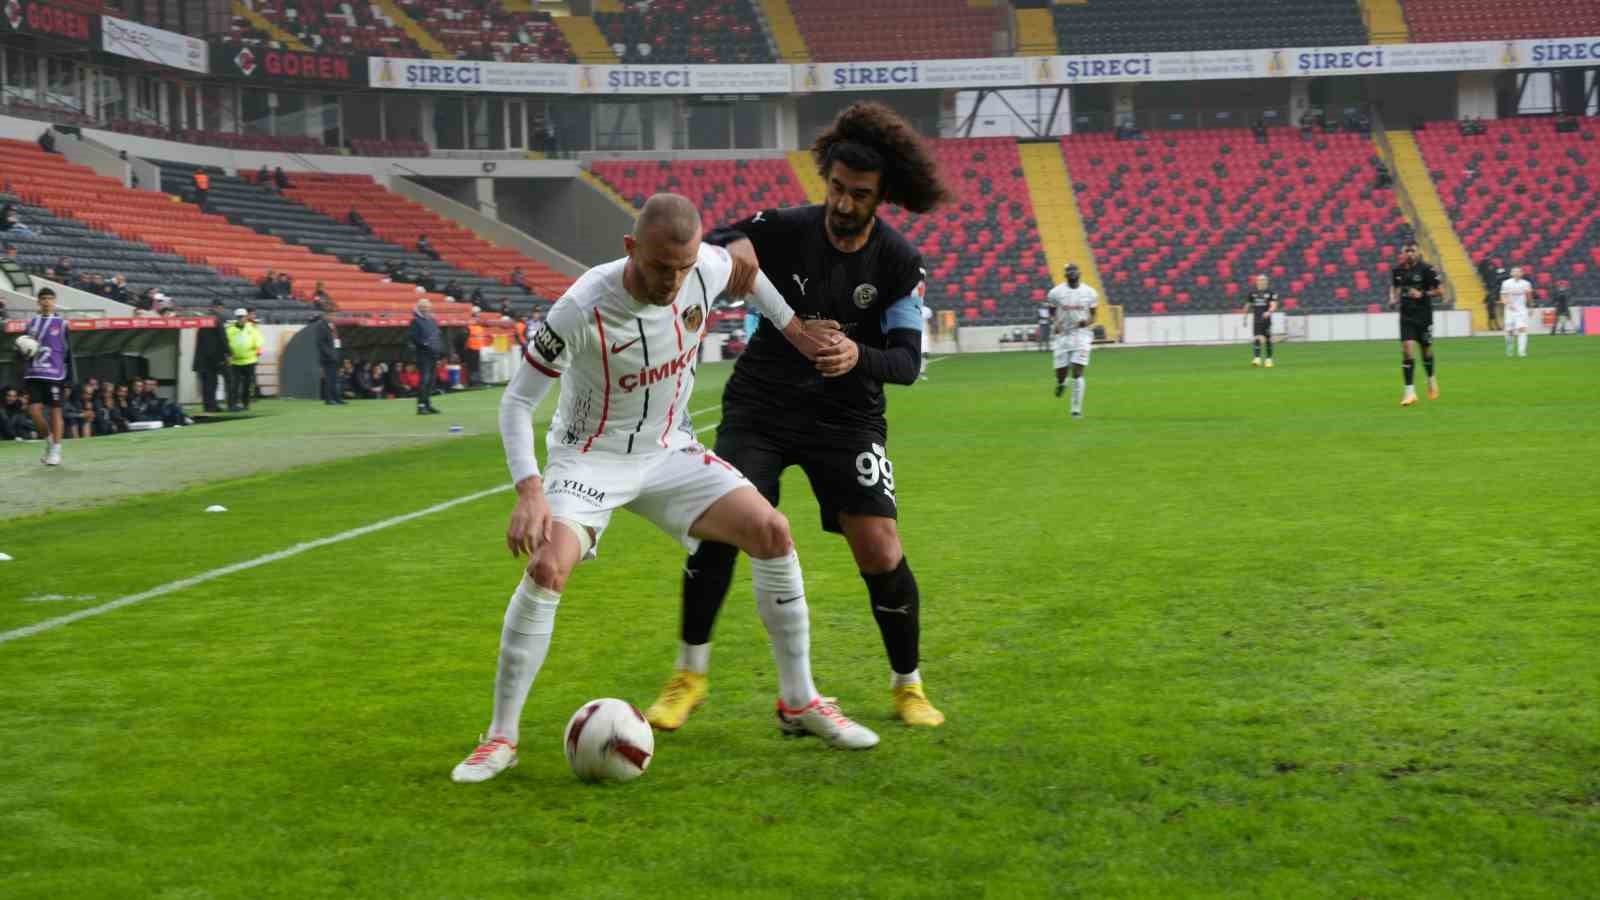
694	658
912	677
781	600
524	641
1511	342
1078	385
1522	344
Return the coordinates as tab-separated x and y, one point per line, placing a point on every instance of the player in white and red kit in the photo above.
1074	305
1516	294
623	342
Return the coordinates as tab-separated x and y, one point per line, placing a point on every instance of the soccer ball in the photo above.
609	740
27	346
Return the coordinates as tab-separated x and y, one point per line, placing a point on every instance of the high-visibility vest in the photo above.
202	181
477	337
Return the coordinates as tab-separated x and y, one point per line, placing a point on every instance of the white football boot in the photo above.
822	718
52	454
490	759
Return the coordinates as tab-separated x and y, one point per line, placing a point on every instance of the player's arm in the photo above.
1272	305
743	240
898	361
1433	287
544	358
1394	291
810	338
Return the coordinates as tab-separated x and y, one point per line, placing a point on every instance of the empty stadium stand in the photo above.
981	251
1498	20
686	31
1523	193
844	30
243	202
1181	221
162	221
1117	26
397	220
489	31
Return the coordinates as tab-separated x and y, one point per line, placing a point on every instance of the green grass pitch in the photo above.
1238	632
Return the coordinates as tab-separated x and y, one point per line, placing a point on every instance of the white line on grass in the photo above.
193	580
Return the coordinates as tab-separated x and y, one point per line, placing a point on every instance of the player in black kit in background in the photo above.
1260	306
1416	286
839	262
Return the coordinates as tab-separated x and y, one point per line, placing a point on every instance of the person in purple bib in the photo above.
48	373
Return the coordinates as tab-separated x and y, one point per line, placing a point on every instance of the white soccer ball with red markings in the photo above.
609	740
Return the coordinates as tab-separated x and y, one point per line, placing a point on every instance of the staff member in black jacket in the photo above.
328	347
428	341
211	356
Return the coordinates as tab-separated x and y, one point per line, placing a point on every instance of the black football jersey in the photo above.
772	382
1422	277
1261	301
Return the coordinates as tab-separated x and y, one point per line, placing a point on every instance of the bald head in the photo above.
671	216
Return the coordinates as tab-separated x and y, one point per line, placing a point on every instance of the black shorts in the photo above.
1263	327
1419	331
850	476
43	390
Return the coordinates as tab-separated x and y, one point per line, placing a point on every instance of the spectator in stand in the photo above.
363	386
47	141
285	286
321	298
520	280
267	287
356	221
476	298
15	423
159	408
426	281
264	179
118	289
347	379
1259	129
366	264
327	336
65	271
281	179
78	412
105	399
122	414
244	350
427	341
452	289
11	222
397	272
202	188
410	379
425	247
1382	180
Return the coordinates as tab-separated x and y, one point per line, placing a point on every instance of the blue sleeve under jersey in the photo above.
903	313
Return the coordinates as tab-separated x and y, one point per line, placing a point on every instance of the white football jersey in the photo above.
1072	305
1515	293
626	368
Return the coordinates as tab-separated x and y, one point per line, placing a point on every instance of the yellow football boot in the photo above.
913	708
684	693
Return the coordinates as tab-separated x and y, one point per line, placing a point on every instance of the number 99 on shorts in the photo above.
873	469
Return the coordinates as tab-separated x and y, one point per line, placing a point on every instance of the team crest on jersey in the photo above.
549	344
865	295
692	317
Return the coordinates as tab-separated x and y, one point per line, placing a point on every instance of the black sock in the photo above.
1255	349
896	607
1269	347
706	577
1409	367
1427	363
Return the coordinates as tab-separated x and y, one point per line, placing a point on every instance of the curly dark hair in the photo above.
871	137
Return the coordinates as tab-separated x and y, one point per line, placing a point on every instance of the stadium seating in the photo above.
157	219
356	27
1180	221
1531	201
243	202
489	31
1118	26
397	220
686	31
1499	20
981	251
845	30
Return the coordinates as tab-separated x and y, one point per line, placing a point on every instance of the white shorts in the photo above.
671	489
1516	323
1072	350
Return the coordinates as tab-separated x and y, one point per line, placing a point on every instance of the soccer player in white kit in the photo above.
623	342
1515	294
1075	308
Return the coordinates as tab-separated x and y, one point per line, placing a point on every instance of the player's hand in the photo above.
530	520
815	336
742	283
838	359
1415	294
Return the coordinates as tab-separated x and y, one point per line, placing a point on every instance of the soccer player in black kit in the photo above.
1260	305
835	261
1416	285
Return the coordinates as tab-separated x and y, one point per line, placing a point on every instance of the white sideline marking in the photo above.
172	586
